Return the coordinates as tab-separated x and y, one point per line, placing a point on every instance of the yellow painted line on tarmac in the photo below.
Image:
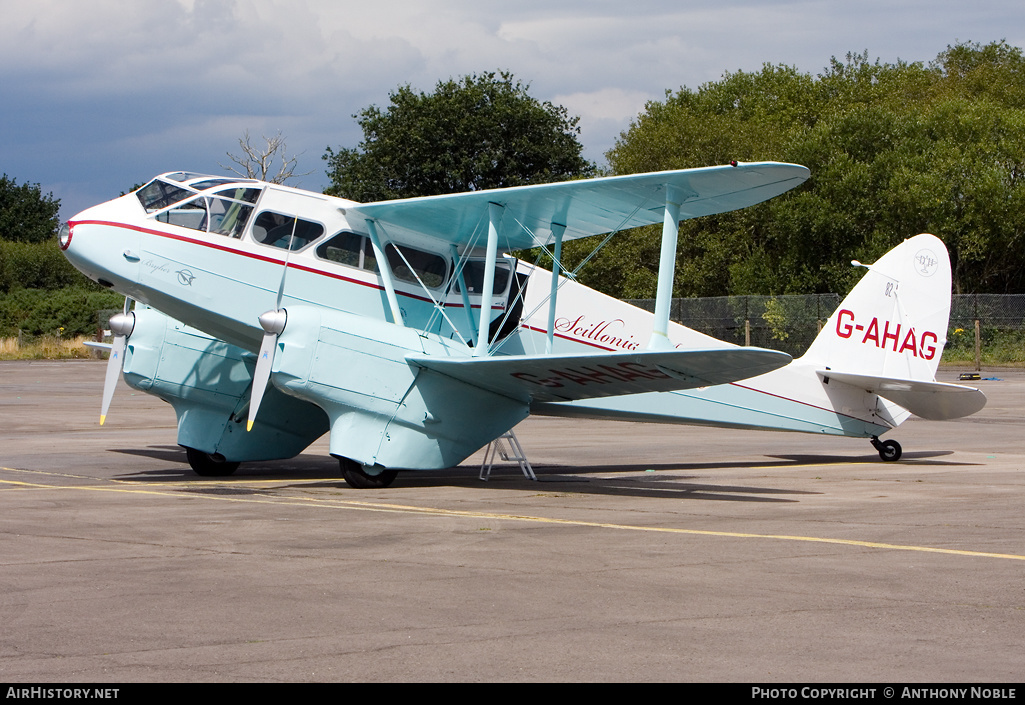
162	483
436	511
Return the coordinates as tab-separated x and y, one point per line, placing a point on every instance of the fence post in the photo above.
747	321
978	347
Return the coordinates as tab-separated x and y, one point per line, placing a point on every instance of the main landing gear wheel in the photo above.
889	450
358	478
208	465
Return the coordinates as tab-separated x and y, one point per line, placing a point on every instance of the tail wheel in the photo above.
358	478
208	465
889	450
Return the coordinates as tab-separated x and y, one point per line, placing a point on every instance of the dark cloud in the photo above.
101	95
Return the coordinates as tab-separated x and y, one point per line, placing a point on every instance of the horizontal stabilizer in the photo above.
936	401
571	377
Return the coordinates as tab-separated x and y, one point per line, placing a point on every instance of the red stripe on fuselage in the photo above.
263	258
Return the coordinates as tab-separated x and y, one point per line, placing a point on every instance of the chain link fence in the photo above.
787	323
984	328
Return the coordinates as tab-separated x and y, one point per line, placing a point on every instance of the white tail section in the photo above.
887	336
894	322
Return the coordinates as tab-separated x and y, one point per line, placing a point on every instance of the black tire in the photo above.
207	465
890	451
358	478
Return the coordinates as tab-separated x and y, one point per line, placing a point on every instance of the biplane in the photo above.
268	316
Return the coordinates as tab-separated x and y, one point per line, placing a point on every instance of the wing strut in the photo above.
495	212
666	270
557	231
463	293
385	267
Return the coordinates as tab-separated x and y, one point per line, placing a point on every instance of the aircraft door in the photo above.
509	321
504	294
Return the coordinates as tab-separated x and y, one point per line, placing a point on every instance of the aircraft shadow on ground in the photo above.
920	457
655	480
594	480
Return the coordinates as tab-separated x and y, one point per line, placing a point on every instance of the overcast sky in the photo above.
100	95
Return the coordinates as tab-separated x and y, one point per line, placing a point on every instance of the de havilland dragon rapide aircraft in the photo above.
268	315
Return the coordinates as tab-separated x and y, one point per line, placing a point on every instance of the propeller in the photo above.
273	323
121	325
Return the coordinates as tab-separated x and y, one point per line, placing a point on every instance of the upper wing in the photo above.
569	377
586	207
935	401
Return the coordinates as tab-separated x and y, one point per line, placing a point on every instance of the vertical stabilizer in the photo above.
894	322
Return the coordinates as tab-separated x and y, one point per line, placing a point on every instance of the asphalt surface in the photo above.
644	553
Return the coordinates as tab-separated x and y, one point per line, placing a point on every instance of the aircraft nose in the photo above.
64	236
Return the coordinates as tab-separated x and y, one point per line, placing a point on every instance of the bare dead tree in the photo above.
257	163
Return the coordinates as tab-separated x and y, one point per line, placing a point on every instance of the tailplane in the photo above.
887	336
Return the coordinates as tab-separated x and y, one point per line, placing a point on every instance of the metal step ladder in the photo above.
508	447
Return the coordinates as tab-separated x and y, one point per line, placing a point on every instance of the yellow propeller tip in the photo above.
249	426
102	419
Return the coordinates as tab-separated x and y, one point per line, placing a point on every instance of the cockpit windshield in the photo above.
159	194
168	189
200	202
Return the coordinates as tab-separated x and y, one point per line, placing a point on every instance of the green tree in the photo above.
36	265
894	150
40	291
478	132
26	215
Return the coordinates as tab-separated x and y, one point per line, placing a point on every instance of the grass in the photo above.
1003	347
44	347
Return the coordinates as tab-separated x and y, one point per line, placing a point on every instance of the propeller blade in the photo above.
114	364
273	322
121	325
284	271
261	376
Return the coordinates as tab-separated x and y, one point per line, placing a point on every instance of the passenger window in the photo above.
188	215
431	268
249	195
356	250
215	215
349	249
473	274
278	230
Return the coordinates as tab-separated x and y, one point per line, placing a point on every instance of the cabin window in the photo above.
191	214
473	275
240	193
349	249
224	214
429	267
210	183
183	176
278	230
228	217
356	250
